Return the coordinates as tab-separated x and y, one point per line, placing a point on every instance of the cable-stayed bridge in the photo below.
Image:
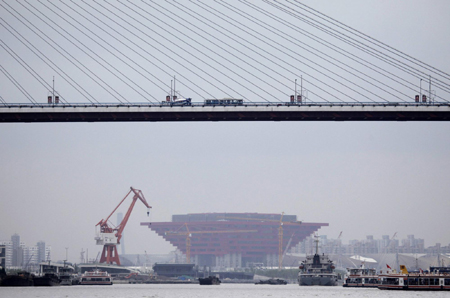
247	112
276	60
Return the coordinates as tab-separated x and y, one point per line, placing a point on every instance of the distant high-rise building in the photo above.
8	253
3	255
48	253
41	251
16	257
30	256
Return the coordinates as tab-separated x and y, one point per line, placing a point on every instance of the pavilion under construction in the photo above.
234	239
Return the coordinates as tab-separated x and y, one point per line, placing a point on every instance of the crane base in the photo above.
110	255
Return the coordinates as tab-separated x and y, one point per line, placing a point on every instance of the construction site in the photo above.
219	240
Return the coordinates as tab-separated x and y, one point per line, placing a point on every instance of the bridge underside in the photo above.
199	116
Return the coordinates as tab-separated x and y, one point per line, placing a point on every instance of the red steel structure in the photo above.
109	236
251	247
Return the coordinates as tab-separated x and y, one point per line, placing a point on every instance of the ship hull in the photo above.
46	282
351	285
212	280
433	281
414	288
16	281
318	280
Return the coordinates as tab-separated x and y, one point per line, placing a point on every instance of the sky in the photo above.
58	180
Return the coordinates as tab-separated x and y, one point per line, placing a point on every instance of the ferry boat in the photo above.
361	278
96	277
433	280
317	270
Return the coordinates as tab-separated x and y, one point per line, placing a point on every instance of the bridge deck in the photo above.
246	112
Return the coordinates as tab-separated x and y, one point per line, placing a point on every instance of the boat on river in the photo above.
68	276
317	270
210	280
272	281
96	277
432	280
48	279
361	278
20	279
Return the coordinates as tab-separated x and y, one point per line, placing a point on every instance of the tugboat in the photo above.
361	278
317	270
210	280
272	281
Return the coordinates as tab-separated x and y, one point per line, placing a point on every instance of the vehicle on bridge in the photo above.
177	101
224	102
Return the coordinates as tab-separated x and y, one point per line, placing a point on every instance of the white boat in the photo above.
96	277
68	276
361	278
432	280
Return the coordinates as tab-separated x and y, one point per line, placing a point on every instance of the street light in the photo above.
420	96
295	98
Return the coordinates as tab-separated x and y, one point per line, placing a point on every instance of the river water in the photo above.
197	291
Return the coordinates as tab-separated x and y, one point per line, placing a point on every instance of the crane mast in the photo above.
109	236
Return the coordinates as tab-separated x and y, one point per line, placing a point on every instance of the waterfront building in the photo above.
242	239
2	256
41	254
17	256
8	253
370	245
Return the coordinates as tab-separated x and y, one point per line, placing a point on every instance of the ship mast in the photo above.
317	244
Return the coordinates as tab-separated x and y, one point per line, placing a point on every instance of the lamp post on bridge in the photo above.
295	97
420	96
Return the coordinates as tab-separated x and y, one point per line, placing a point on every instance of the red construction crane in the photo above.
109	237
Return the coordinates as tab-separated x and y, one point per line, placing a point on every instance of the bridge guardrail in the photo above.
200	104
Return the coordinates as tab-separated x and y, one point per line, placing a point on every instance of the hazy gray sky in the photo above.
58	180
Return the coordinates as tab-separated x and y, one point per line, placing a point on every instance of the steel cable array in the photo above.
27	67
363	47
133	50
333	47
374	41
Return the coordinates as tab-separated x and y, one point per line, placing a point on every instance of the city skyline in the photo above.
327	245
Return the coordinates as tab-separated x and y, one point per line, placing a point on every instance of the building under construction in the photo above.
234	239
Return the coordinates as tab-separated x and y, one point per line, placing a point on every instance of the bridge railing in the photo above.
202	104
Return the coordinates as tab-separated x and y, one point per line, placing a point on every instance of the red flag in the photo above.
388	266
